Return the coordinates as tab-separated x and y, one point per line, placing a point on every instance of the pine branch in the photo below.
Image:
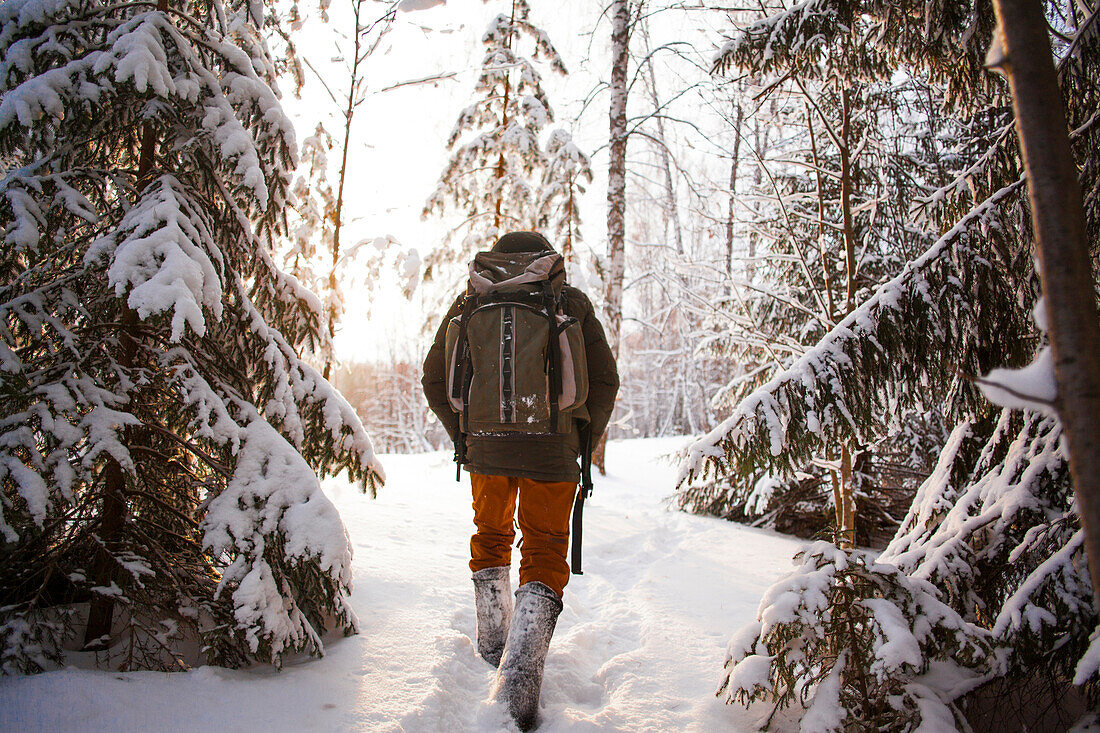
884	349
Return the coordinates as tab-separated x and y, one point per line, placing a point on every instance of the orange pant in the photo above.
544	509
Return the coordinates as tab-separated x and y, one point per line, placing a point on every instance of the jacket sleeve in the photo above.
603	375
434	379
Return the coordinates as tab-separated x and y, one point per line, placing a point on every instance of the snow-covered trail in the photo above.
638	647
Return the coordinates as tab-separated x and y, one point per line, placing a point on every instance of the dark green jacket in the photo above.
544	458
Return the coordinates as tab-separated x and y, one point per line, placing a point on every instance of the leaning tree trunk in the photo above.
1064	264
671	210
616	188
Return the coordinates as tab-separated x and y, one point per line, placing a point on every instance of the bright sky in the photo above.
397	149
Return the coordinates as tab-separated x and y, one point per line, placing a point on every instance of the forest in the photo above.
844	253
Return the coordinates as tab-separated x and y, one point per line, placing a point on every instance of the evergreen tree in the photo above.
993	529
831	222
160	436
568	171
493	177
853	638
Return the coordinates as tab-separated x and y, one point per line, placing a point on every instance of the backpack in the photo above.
515	361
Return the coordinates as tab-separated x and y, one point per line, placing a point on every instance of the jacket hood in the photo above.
522	242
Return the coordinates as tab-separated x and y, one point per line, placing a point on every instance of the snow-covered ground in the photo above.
639	646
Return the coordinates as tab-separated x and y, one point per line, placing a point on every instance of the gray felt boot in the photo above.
519	678
493	598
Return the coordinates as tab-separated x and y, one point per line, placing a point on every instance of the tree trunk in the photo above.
1065	267
760	144
112	519
671	210
616	189
501	168
846	512
616	184
846	202
112	516
338	218
733	193
821	218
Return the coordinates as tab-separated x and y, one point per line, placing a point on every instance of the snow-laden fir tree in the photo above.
493	178
568	170
993	530
854	637
160	436
831	220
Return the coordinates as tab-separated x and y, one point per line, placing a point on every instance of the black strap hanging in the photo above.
460	388
578	504
553	367
460	454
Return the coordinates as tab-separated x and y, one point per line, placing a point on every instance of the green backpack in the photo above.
515	362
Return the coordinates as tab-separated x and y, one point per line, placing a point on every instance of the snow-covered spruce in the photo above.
568	171
494	176
886	352
866	646
160	438
851	146
995	529
868	39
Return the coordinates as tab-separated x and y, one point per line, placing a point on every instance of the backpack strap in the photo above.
553	352
460	387
578	503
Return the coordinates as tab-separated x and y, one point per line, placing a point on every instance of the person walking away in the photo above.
522	378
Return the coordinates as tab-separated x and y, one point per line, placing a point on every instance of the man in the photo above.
540	471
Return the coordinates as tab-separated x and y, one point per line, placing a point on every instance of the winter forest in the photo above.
844	253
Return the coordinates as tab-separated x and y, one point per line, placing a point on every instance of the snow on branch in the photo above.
241	115
770	43
306	409
1010	501
273	498
858	640
889	347
163	258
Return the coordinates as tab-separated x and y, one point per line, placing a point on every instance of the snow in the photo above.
1090	662
409	6
166	260
751	672
639	646
935	717
899	645
825	712
274	492
1031	387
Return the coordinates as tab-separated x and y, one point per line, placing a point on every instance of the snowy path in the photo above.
638	646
